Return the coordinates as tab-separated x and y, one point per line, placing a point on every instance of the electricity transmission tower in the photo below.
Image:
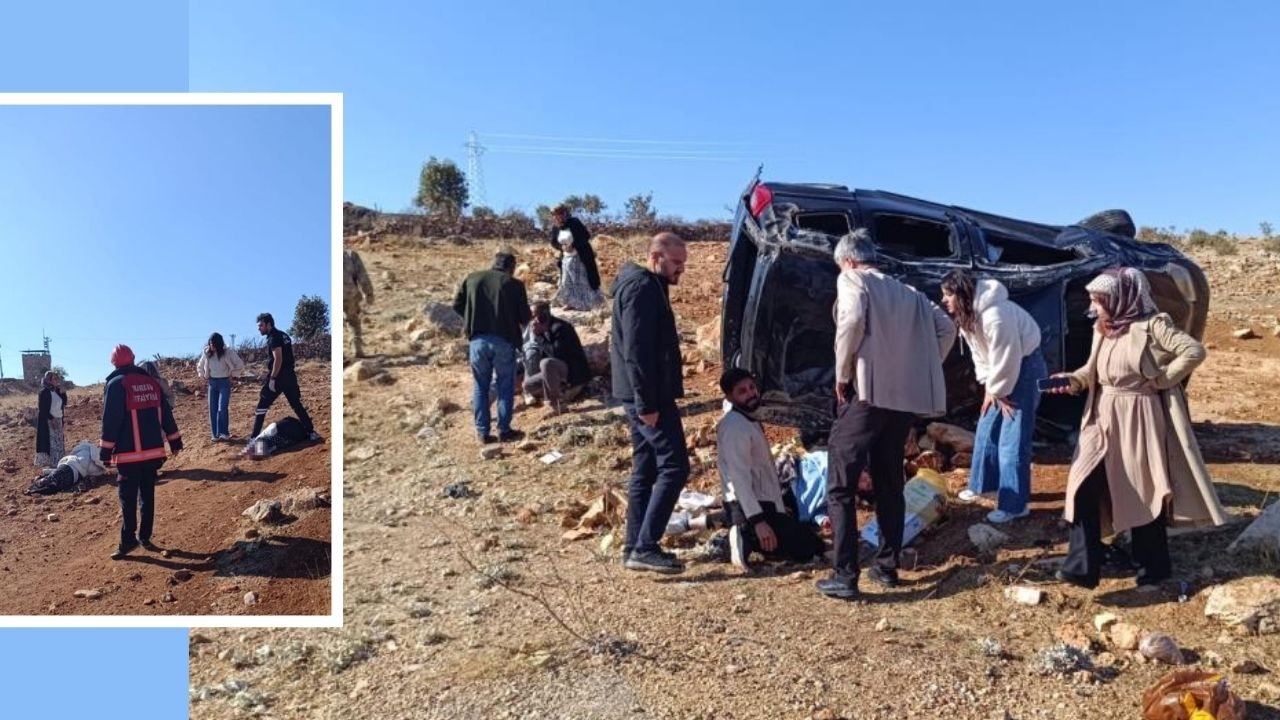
475	172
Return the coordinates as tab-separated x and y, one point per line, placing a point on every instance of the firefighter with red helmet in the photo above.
137	420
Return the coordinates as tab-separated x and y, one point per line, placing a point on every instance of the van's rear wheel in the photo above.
1112	221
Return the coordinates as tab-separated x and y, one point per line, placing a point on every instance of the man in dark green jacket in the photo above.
494	309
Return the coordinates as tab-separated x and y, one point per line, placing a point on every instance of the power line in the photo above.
618	155
619	141
629	151
132	339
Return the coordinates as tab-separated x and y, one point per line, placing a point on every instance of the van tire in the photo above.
1112	221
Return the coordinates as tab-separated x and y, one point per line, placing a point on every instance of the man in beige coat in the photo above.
356	289
890	344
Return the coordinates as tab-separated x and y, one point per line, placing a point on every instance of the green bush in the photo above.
310	318
1168	235
1219	242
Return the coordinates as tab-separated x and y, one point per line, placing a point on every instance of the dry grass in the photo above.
18	401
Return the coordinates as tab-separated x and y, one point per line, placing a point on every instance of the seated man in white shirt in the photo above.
753	495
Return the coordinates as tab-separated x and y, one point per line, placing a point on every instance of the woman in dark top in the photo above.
50	442
579	277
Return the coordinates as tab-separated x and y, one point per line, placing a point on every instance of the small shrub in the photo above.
1219	242
1169	235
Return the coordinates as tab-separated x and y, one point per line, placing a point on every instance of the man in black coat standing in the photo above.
646	366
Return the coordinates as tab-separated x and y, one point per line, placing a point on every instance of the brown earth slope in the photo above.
475	607
214	556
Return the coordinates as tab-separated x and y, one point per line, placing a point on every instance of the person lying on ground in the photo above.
71	473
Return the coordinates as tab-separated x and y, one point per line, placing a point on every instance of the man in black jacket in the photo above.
645	360
581	240
136	422
555	366
494	309
282	379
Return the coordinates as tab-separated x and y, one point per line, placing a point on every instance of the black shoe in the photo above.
1071	578
510	436
1118	558
838	587
1150	579
486	438
123	550
668	555
883	576
654	561
147	545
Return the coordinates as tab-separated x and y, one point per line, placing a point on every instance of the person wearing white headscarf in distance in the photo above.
49	417
1137	465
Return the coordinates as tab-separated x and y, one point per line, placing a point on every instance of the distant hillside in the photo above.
359	221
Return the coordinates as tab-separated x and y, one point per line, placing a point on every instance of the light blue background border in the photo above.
94	46
99	673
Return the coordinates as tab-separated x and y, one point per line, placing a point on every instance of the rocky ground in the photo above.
54	549
464	598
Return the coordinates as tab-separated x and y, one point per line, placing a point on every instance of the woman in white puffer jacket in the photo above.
1004	341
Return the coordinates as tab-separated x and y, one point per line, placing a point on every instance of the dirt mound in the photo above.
16	386
207	563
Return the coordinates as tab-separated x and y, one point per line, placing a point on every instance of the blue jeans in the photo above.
1002	446
490	356
219	406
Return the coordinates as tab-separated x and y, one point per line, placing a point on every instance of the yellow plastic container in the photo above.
925	496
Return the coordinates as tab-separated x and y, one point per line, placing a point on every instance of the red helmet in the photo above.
121	356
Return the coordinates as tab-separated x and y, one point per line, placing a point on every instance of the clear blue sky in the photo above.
105	674
1048	111
155	226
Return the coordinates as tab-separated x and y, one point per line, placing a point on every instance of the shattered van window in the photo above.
1010	251
912	238
829	223
813	238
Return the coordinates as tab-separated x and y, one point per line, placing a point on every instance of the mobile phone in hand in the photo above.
1053	383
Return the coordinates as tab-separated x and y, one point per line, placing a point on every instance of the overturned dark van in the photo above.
780	285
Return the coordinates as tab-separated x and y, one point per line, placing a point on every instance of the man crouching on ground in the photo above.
136	422
752	493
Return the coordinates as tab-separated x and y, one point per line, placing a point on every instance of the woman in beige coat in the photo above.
1137	466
